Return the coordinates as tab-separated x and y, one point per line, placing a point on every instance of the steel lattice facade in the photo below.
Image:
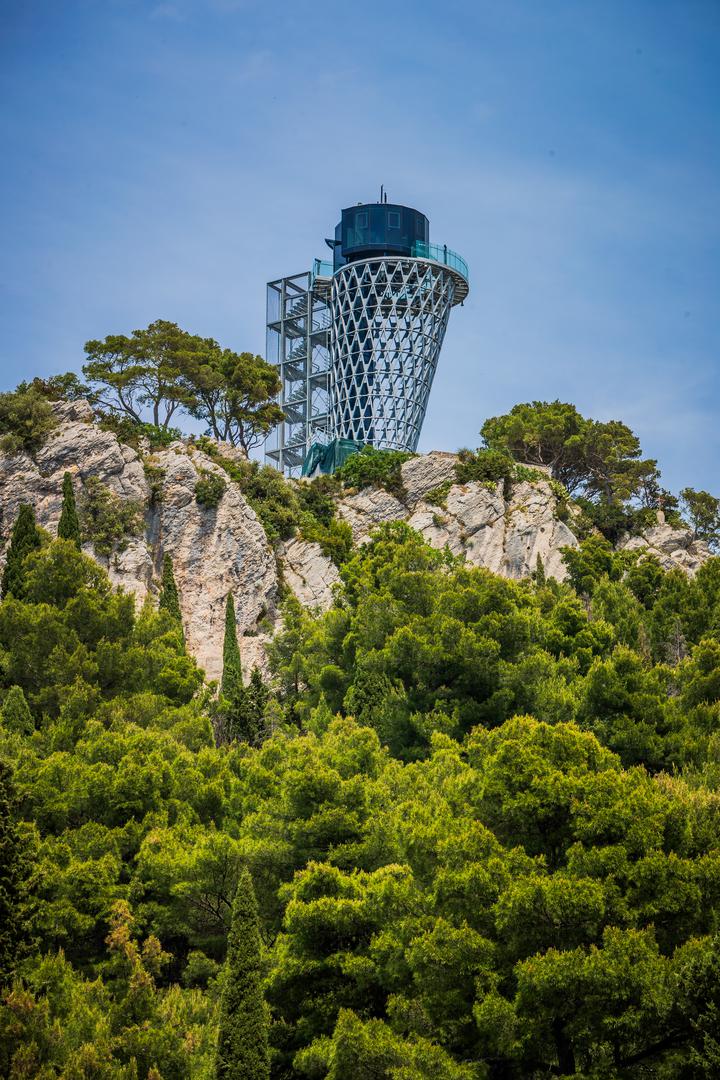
389	318
357	341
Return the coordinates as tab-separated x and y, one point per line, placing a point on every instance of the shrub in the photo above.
155	476
130	432
485	466
335	538
613	520
286	508
107	521
26	420
274	500
438	496
209	489
374	468
317	497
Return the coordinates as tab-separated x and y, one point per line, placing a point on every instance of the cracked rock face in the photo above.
214	551
672	547
309	573
427	471
505	537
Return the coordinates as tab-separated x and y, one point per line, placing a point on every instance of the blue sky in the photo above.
165	158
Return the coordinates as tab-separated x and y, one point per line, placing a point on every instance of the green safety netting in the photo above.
326	459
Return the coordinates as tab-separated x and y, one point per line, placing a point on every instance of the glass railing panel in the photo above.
442	254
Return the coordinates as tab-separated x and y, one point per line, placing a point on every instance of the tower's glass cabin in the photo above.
357	340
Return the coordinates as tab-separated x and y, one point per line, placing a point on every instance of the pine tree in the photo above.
15	712
242	1050
14	880
69	524
169	595
25	538
232	666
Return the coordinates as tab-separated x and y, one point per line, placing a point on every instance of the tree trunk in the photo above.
565	1055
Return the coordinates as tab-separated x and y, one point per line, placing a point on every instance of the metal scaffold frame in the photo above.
298	328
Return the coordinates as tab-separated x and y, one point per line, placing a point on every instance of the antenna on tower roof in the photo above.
381	192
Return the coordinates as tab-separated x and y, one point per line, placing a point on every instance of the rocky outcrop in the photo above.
214	551
671	546
507	537
309	574
473	520
225	549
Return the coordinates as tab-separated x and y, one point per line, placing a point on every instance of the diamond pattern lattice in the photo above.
389	318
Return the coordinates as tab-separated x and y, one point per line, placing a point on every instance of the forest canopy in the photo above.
463	828
477	827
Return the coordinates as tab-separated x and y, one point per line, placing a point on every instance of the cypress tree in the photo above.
14	880
256	695
242	1050
69	524
25	538
232	666
15	712
169	595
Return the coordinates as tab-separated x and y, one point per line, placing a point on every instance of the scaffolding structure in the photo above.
298	342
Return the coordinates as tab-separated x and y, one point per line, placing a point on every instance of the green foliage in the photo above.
107	520
232	663
209	490
155	476
703	511
235	394
593	559
335	539
24	539
286	508
69	524
169	596
613	519
242	1050
15	712
166	370
147	370
26	419
371	467
480	817
601	458
15	871
65	387
137	433
438	496
485	466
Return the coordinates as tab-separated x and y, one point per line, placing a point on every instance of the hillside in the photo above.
449	811
224	549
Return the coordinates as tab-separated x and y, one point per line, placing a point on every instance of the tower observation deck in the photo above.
357	340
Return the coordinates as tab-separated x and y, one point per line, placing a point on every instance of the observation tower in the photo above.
357	340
